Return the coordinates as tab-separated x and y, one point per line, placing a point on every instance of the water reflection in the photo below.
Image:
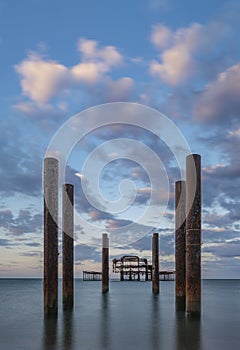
194	334
181	331
188	332
155	328
180	304
67	329
105	332
50	333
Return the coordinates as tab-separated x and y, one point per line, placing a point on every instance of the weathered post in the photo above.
155	263
138	271
193	235
50	236
180	244
121	275
105	263
67	245
146	276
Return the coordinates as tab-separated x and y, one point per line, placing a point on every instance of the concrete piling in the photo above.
193	235
155	263
67	245
105	263
50	236
180	244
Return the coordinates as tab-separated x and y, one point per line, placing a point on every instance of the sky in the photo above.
60	59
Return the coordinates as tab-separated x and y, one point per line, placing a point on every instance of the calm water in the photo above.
129	318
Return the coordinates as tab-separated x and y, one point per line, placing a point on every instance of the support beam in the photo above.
193	235
138	273
67	245
180	244
155	263
146	272
121	275
50	236
105	263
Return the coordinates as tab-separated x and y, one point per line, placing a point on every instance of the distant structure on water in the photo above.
92	276
131	268
134	268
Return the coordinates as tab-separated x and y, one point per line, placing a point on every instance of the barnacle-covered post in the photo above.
193	235
67	245
50	236
180	244
105	263
155	263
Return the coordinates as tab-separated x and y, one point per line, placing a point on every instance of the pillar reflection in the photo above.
188	332
50	333
67	329
155	327
105	323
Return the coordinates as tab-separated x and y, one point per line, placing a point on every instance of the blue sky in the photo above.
61	57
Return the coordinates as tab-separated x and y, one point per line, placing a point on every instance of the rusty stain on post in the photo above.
193	235
50	236
105	263
67	245
180	244
155	263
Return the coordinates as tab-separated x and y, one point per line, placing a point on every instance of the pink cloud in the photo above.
42	79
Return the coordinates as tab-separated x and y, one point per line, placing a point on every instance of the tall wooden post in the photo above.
50	236
155	263
193	235
105	263
180	244
67	245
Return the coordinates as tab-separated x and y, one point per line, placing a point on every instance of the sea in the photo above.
129	317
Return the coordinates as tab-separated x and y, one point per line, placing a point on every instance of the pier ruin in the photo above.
134	268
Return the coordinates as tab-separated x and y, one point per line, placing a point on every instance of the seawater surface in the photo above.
129	317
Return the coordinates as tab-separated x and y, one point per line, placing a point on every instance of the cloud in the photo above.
176	66
117	223
220	100
90	50
193	52
161	36
33	244
166	240
84	252
46	115
119	90
221	181
42	78
4	242
226	250
215	235
21	169
30	254
189	64
223	194
97	215
88	72
24	222
177	62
